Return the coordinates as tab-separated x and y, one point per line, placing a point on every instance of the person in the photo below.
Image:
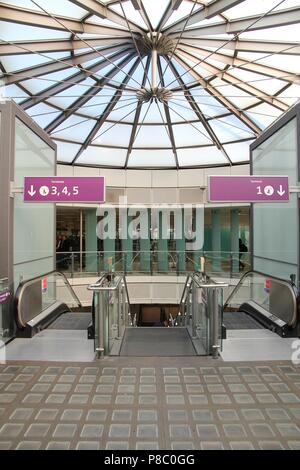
242	249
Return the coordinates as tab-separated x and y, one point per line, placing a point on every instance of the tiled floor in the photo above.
150	403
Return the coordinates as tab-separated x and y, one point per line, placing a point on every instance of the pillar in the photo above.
216	240
234	238
91	264
162	245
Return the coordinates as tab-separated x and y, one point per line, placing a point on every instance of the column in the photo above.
91	240
216	240
162	245
234	236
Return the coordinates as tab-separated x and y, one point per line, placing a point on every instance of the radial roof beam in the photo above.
62	64
241	45
73	80
224	101
30	47
172	6
92	91
167	113
192	102
109	108
96	8
251	23
214	8
33	18
233	61
137	114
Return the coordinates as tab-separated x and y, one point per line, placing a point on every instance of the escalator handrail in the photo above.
282	281
23	284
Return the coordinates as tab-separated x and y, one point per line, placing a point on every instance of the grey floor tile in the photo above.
144	445
71	415
147	379
10	430
207	431
207	445
265	398
109	371
145	388
96	415
53	370
87	379
119	430
215	388
277	414
234	431
41	388
171	379
270	445
31	369
83	388
101	400
125	399
177	415
237	388
288	430
258	388
21	414
72	370
87	445
228	415
147	371
29	445
175	399
198	399
37	430
294	445
261	430
243	398
107	379
15	387
221	399
202	416
130	379
24	378
117	445
126	389
241	445
105	388
5	445
47	414
147	431
6	398
121	415
147	399
63	445
56	398
279	387
47	378
65	431
189	371
191	379
67	378
173	388
92	431
170	371
180	431
128	371
232	379
182	445
147	415
62	388
196	388
289	398
79	399
212	379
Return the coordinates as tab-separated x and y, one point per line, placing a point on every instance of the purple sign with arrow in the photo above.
64	189
248	189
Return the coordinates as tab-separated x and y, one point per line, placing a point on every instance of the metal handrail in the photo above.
28	282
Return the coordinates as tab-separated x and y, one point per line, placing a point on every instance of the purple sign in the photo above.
248	189
4	296
64	189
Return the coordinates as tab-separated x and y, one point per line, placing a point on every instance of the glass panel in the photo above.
239	152
74	128
94	155
151	158
200	156
66	152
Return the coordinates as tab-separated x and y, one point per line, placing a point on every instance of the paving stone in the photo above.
122	415
217	388
145	388
119	430
42	388
147	399
62	388
252	415
147	379
271	378
29	445
22	414
58	445
245	370
12	369
241	445
261	430
208	370
92	430
278	414
96	415
53	370
191	379
147	431
5	445
184	445
71	415
31	369
125	399
15	387
24	378
198	399
65	430
105	388
47	378
180	431
91	370
129	379
109	371
228	415
279	387
234	430
128	371
251	378
79	399
107	379
212	379
258	388
189	371
212	445
7	377
67	378
265	398
295	412
87	379
101	400
243	398
37	430
147	370
202	415
220	399
33	398
147	415
87	445
175	399
264	369
173	388
177	415
207	431
227	370
293	377
72	370
126	389
171	379
232	379
56	398
46	414
294	445
83	388
270	445
7	397
170	371
117	445
10	430
237	388
289	397
147	445
288	430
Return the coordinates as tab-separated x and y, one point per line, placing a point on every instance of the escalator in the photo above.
263	301
47	301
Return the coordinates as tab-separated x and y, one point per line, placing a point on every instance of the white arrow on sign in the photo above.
32	191
281	191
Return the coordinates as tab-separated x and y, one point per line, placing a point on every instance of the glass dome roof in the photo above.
151	83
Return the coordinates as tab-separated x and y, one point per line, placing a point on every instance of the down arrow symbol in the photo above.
281	191
31	192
